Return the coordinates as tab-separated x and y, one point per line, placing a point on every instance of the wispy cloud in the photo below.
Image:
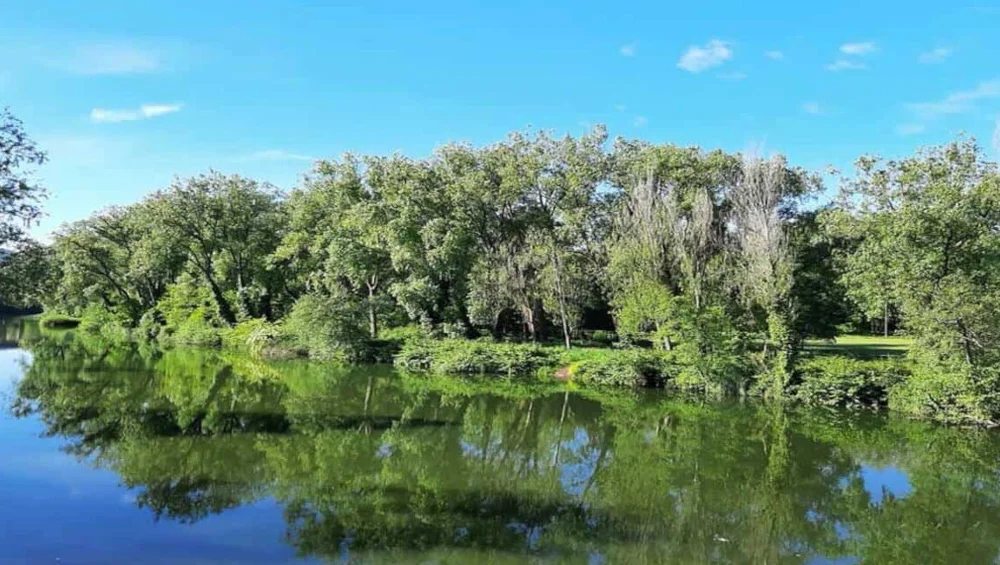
640	121
699	58
107	58
910	129
276	155
621	107
845	65
860	48
935	56
774	54
996	137
736	75
956	102
812	108
628	50
106	116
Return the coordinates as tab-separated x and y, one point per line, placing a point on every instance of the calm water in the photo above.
126	455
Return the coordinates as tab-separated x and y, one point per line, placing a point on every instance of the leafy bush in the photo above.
628	368
190	315
260	337
970	396
328	327
480	357
96	320
843	381
603	337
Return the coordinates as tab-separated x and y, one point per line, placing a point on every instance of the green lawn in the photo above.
860	346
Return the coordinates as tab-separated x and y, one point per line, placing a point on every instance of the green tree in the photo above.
930	242
20	195
228	226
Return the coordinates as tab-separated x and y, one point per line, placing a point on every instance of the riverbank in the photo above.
853	371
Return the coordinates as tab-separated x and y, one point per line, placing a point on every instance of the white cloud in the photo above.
861	48
108	58
996	137
812	108
104	115
640	121
956	102
276	155
845	65
628	50
774	54
736	75
910	129
699	58
935	56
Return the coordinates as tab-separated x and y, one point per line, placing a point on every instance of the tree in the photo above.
19	194
117	259
761	197
27	276
229	226
338	236
930	244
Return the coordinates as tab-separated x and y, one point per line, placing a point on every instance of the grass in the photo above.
860	346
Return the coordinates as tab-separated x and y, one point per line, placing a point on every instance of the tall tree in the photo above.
229	226
20	195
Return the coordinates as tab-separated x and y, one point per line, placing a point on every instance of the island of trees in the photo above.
616	262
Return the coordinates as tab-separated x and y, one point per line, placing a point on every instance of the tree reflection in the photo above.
394	468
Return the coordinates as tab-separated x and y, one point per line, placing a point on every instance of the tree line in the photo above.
716	257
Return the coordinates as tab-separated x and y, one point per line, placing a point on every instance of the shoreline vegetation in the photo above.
602	262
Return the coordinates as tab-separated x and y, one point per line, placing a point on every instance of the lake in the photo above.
128	454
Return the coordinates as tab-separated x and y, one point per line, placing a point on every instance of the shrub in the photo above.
479	357
627	368
190	315
843	381
956	396
328	327
260	337
603	337
96	320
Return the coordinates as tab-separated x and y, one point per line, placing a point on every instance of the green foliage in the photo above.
20	195
258	337
189	315
625	368
480	357
928	245
328	327
703	255
969	397
844	381
54	320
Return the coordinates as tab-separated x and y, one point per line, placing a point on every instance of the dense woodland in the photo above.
721	263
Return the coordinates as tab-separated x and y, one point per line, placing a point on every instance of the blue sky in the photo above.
126	95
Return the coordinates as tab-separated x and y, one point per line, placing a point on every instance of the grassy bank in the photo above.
859	346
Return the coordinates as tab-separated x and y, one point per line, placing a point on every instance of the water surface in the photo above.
125	454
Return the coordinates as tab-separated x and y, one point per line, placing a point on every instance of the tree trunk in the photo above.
225	310
372	317
885	325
